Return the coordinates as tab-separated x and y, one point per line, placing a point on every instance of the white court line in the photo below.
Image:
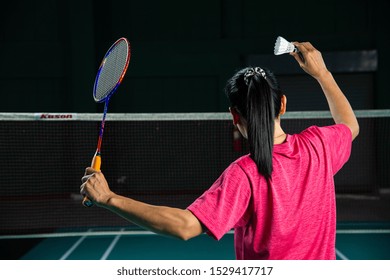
111	247
74	246
363	231
341	255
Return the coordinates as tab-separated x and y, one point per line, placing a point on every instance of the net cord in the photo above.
173	116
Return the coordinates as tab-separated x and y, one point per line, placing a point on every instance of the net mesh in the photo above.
159	159
111	70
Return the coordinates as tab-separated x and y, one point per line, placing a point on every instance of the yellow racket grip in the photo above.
96	163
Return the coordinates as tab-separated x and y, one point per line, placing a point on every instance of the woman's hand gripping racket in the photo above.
108	78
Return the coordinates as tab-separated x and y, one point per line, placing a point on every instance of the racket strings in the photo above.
111	71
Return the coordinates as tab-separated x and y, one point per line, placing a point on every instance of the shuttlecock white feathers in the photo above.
283	46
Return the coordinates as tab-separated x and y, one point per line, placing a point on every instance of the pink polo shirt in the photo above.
291	217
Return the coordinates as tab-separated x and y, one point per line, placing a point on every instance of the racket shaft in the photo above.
96	163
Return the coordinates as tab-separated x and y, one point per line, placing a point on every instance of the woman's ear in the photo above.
283	105
235	115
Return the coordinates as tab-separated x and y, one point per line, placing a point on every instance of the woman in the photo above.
280	198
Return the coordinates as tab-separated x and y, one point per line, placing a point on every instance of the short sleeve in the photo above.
225	203
338	140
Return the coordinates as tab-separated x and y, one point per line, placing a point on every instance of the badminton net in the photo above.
163	159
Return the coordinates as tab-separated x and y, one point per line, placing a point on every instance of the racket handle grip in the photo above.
96	163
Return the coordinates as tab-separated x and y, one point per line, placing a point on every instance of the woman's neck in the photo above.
279	134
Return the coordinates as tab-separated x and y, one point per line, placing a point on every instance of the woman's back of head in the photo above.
255	94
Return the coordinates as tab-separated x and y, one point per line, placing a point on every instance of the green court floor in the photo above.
353	243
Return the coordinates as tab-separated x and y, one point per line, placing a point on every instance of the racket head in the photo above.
112	69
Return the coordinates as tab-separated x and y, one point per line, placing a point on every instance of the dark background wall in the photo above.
182	51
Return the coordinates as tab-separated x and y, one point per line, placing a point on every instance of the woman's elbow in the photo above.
355	130
190	228
186	235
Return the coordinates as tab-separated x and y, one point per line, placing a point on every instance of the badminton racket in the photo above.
108	78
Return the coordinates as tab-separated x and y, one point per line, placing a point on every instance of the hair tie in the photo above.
253	71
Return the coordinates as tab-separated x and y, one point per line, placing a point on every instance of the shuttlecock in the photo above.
283	46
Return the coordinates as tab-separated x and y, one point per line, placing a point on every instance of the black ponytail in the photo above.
260	118
257	97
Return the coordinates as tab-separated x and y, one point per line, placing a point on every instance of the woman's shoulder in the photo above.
243	160
325	131
246	164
